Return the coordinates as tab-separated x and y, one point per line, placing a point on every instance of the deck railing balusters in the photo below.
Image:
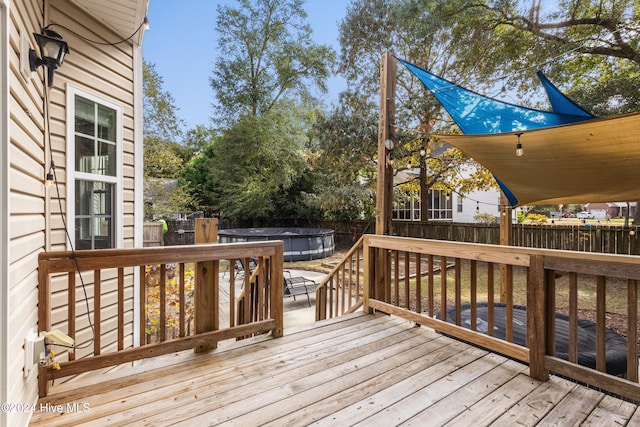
632	328
341	291
113	274
546	270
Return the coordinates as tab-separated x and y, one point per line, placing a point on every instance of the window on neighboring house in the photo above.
460	199
407	210
440	205
94	165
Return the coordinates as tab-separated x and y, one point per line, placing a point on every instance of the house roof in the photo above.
593	161
123	16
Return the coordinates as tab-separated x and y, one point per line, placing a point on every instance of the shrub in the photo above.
533	218
485	218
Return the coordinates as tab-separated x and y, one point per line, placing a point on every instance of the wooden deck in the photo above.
355	369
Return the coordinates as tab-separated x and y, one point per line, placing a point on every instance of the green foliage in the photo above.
161	121
265	54
485	218
163	155
254	169
535	218
345	148
419	31
589	48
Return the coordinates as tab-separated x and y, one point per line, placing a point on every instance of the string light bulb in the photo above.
477	207
519	149
50	177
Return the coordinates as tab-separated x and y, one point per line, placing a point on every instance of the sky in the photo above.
181	42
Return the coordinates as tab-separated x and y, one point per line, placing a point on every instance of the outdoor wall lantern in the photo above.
389	144
52	52
519	149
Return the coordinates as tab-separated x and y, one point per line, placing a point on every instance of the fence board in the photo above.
599	238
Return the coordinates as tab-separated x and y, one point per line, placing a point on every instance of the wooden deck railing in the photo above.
110	278
342	289
419	279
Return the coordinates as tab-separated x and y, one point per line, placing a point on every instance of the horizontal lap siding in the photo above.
108	73
26	202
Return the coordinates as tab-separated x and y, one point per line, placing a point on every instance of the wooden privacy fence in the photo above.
419	279
599	238
115	282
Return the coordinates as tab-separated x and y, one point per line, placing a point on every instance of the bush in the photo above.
485	218
533	218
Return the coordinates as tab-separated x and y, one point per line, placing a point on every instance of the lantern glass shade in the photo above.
52	48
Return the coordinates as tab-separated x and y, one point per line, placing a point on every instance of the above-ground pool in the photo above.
300	244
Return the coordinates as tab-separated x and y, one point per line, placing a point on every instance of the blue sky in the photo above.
181	42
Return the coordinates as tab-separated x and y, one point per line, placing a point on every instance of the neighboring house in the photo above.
443	206
94	133
612	210
449	207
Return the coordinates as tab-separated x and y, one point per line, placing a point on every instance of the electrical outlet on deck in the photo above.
29	343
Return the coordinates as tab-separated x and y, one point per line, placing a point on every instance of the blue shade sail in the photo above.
478	114
561	103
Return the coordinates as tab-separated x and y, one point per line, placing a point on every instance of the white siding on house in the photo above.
26	215
483	201
4	202
31	221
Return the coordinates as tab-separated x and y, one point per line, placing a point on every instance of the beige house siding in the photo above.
26	206
33	219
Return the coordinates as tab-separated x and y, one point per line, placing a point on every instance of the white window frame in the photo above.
446	211
73	175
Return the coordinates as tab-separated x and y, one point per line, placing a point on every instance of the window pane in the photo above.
84	154
85	116
94	220
106	123
106	164
95	153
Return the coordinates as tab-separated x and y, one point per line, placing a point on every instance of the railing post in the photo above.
368	276
207	283
277	289
537	318
44	319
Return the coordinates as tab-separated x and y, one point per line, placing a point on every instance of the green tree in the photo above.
417	31
264	82
163	155
161	119
265	54
343	162
253	170
200	183
589	47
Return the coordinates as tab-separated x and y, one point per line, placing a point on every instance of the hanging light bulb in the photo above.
49	180
477	207
519	149
50	177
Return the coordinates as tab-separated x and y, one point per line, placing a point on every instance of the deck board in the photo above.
357	369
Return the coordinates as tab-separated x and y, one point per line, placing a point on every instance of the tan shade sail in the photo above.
587	162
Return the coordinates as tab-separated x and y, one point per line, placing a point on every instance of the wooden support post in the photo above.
384	195
537	318
384	191
506	227
207	283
